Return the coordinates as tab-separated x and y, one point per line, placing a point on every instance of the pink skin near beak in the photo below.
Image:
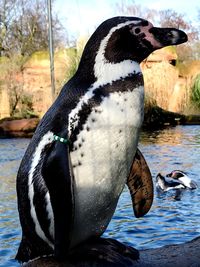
150	37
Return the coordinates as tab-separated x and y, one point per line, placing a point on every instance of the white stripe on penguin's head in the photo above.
107	72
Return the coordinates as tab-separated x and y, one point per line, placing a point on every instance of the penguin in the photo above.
183	178
84	149
165	185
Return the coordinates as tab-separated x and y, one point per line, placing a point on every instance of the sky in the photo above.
81	17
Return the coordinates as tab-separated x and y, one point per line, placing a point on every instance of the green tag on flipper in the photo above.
60	139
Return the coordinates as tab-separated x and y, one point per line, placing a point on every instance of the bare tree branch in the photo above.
23	27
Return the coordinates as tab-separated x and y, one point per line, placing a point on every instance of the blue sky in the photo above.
81	17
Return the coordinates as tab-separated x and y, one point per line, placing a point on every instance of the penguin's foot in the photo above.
108	252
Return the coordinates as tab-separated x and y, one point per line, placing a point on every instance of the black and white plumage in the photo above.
183	179
68	192
166	185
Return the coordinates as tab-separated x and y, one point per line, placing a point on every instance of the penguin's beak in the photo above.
168	36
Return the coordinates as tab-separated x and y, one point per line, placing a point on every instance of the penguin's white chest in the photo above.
101	162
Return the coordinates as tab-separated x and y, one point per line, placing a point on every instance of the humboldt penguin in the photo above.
182	178
166	185
84	149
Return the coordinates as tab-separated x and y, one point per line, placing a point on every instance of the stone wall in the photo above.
163	83
35	81
4	103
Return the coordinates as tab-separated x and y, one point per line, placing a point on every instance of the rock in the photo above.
18	127
182	255
192	120
156	117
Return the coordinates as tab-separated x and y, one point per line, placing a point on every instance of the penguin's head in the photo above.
122	38
135	38
176	174
183	178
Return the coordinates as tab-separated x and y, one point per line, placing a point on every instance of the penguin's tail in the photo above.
24	251
30	250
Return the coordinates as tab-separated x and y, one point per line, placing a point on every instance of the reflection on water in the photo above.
168	222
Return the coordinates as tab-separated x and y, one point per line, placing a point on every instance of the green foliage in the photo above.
11	70
39	55
195	96
73	57
27	110
24	107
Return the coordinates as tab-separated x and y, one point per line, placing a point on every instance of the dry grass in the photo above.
160	79
171	87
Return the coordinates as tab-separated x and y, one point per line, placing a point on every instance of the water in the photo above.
168	222
11	152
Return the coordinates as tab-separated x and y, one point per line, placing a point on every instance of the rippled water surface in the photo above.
168	222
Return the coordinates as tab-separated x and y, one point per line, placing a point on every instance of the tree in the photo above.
133	9
172	19
7	14
167	18
23	27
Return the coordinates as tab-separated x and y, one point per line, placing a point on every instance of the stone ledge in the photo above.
182	255
18	127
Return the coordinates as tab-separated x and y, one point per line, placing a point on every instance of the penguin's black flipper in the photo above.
140	185
59	180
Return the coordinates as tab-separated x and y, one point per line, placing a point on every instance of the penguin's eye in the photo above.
137	30
170	34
